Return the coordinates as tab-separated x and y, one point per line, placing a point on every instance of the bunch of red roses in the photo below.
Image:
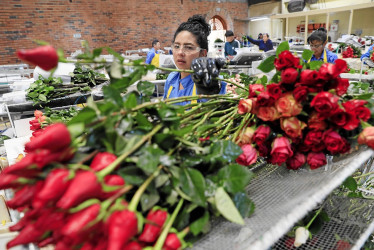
36	123
303	117
348	53
372	57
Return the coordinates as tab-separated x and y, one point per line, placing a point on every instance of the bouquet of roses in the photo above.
350	51
303	114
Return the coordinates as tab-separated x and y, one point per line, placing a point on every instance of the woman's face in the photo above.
188	49
265	37
317	47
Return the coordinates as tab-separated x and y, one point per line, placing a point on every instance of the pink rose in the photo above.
267	113
248	157
287	105
367	137
289	75
296	161
281	150
38	113
261	134
292	126
245	106
254	89
316	160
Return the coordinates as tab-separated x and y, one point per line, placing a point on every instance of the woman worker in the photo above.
264	44
366	58
190	47
317	42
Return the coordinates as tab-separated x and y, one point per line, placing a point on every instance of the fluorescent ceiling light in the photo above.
258	18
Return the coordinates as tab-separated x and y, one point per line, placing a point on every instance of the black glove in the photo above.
368	62
206	70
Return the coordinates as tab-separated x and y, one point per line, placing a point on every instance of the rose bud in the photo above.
245	137
367	137
315	123
245	106
292	126
267	113
261	134
281	150
289	75
287	106
296	161
274	90
255	89
301	236
248	157
316	160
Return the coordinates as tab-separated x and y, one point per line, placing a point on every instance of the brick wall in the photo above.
120	24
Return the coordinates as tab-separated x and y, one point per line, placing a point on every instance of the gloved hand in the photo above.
205	71
368	62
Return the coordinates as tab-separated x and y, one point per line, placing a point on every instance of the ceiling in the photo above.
250	2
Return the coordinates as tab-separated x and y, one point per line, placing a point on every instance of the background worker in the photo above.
151	55
317	42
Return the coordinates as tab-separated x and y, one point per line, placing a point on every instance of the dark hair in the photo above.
198	27
259	36
267	34
154	42
318	35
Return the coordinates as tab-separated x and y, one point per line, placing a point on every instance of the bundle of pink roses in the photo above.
303	117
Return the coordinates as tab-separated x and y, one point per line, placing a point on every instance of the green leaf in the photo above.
125	125
192	183
149	158
143	122
264	80
150	198
130	101
350	183
146	88
235	177
324	216
76	129
364	96
199	224
131	142
42	98
242	202
282	47
97	52
267	65
132	175
86	116
120	145
315	65
307	54
227	207
224	151
276	77
112	95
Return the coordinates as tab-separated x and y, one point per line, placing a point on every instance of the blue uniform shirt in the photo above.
368	53
261	44
151	53
187	83
331	56
230	48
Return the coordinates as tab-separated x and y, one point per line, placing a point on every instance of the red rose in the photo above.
265	99
324	103
357	106
296	161
245	137
289	75
261	134
333	141
245	106
308	77
286	60
254	89
339	117
287	105
313	140
292	126
352	121
281	150
300	93
346	147
367	137
249	155
342	86
316	160
264	149
274	90
330	71
35	124
267	113
314	123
